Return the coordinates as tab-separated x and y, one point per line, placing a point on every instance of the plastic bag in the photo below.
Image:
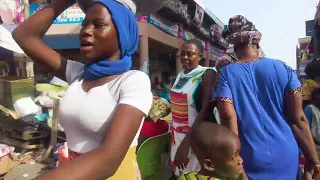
26	106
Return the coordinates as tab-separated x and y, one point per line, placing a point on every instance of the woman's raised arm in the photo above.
29	37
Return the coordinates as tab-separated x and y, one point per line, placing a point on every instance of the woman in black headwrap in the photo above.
313	80
260	100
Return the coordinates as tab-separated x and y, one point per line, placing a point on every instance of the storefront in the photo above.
160	38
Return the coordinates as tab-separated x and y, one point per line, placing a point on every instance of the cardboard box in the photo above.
9	176
6	164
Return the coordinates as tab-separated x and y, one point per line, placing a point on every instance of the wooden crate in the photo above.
13	88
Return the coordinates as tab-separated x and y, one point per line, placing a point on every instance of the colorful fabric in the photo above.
184	113
127	170
196	176
128	37
222	58
152	129
307	89
242	31
179	107
258	90
160	108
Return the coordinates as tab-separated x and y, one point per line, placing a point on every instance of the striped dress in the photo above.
184	113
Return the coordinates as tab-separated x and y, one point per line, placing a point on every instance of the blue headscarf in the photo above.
128	37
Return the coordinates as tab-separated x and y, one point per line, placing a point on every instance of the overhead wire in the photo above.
294	24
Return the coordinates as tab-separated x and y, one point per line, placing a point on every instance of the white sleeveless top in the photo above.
85	116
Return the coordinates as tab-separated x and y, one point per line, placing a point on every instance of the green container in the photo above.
13	88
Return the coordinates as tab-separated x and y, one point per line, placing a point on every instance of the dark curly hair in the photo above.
313	69
196	42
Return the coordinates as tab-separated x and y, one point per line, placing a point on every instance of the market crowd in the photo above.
261	132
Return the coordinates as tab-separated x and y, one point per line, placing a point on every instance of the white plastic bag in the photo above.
26	106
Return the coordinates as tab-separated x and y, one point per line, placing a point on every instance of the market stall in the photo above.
26	106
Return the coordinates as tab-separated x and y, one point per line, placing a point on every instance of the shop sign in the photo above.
198	17
72	15
170	28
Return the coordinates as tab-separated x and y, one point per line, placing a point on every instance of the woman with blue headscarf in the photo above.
105	103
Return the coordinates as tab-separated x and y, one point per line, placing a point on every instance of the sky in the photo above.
281	22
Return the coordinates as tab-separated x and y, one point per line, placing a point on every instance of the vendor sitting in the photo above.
153	125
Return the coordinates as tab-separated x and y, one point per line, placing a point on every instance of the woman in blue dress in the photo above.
260	100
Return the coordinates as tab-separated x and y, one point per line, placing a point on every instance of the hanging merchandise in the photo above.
207	46
198	17
183	10
304	56
223	42
204	31
179	8
12	11
143	19
215	30
181	31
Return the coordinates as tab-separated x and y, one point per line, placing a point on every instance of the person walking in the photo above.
103	108
190	100
260	100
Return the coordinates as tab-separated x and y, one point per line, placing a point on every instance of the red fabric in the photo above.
151	129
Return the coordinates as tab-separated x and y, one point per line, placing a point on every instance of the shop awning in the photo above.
6	40
9	49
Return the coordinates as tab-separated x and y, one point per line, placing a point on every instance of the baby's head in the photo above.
217	149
